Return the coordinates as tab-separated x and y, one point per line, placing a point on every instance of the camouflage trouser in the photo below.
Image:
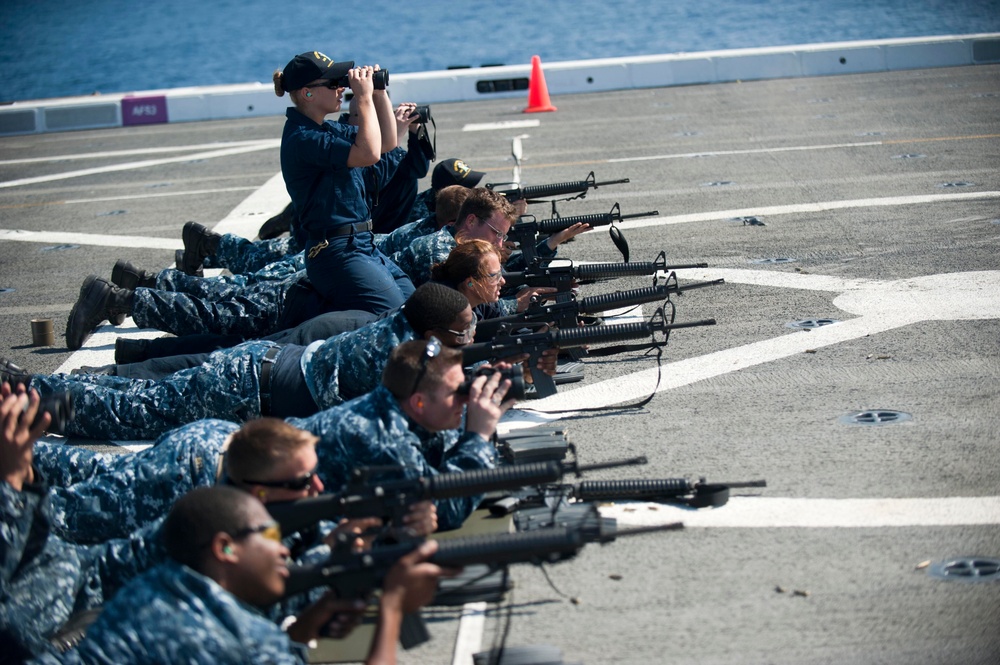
242	256
95	497
225	386
254	313
225	287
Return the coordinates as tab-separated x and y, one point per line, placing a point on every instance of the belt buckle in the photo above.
317	248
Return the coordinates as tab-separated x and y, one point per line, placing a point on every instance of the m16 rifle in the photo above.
390	500
512	343
681	491
564	311
560	191
564	277
355	575
528	230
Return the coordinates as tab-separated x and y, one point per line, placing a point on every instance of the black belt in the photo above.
346	230
266	365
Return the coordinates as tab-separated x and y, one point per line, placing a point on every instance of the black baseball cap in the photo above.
312	66
454	172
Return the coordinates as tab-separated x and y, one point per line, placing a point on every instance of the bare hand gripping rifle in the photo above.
513	343
563	277
565	310
528	230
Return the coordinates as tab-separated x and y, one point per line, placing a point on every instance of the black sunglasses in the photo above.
295	484
432	351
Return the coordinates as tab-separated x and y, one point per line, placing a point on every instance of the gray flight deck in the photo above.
880	195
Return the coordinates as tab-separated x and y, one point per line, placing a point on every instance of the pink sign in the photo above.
144	110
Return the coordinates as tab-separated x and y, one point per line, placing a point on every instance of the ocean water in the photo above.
56	48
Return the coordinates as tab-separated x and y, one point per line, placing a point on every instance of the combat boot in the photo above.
199	242
127	276
280	223
99	300
179	264
12	374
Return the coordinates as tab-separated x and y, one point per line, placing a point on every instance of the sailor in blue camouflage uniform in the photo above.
411	421
449	201
96	496
44	579
203	604
484	215
299	380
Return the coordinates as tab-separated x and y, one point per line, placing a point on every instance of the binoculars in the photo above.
515	373
380	80
60	407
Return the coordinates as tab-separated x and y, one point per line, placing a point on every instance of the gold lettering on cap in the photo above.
460	167
319	56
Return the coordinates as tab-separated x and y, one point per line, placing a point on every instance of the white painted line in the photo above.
128	166
504	124
66	238
130	153
820	206
470	633
246	218
191	192
754	151
880	306
767	512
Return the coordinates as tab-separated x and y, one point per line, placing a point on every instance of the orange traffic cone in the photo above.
538	92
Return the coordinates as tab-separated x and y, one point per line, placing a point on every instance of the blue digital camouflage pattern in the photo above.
372	430
422	205
208	288
225	386
254	313
222	287
400	239
350	364
95	497
172	614
421	254
44	579
241	256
